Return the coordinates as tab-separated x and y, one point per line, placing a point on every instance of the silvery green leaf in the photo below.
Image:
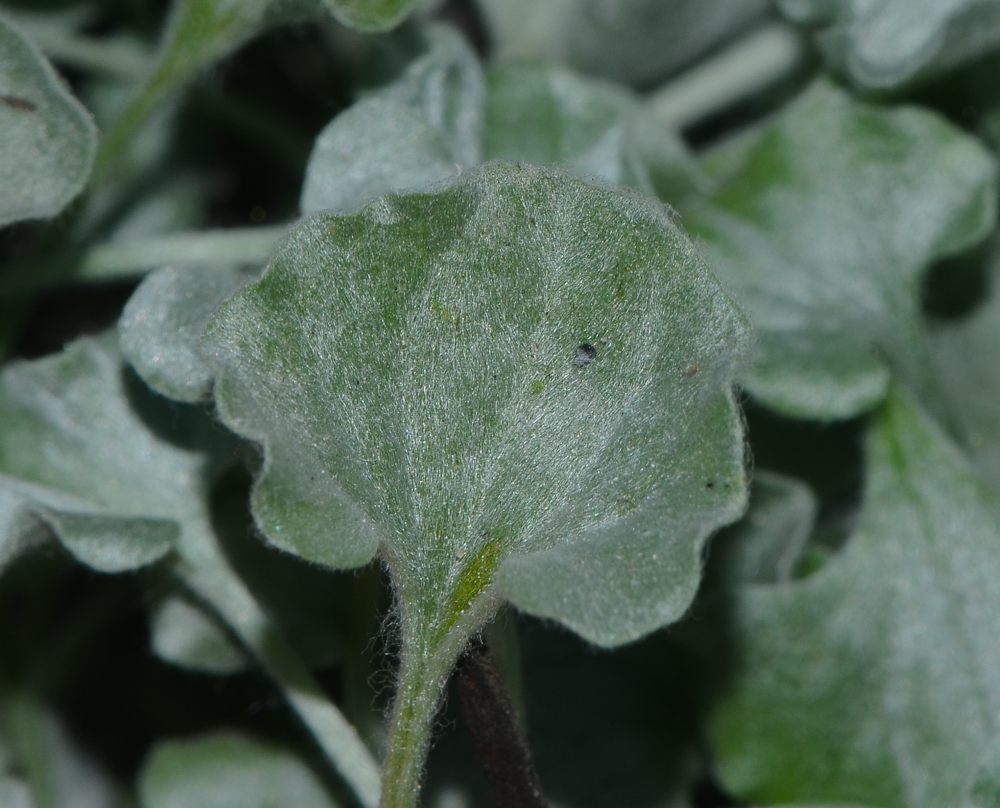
889	43
824	236
182	634
82	441
630	41
532	370
550	116
227	770
875	680
965	357
446	85
162	321
421	131
74	456
49	139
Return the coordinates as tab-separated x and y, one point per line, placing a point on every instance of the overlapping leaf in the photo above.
49	139
121	477
550	116
824	235
876	680
524	377
162	321
632	41
423	130
74	456
889	43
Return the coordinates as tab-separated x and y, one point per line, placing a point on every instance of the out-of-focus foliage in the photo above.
337	334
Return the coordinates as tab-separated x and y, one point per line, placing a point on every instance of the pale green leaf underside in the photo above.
889	43
876	679
968	363
162	321
824	234
184	635
75	455
48	139
550	116
421	131
522	363
631	41
227	770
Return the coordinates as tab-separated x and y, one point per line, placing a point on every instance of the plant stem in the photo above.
422	679
768	54
224	592
238	245
500	745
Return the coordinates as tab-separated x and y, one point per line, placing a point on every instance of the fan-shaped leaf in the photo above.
522	365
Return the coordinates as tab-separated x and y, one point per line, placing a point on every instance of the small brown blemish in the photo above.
20	104
691	370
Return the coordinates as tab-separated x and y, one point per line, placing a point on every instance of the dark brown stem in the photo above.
500	745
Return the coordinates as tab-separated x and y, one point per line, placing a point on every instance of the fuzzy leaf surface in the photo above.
228	770
76	457
423	130
523	376
824	236
49	139
162	321
550	116
876	679
890	43
629	41
122	477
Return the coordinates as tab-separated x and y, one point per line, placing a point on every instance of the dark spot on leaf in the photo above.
20	104
585	354
691	370
710	484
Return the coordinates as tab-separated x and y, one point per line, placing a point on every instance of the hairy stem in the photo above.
422	679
